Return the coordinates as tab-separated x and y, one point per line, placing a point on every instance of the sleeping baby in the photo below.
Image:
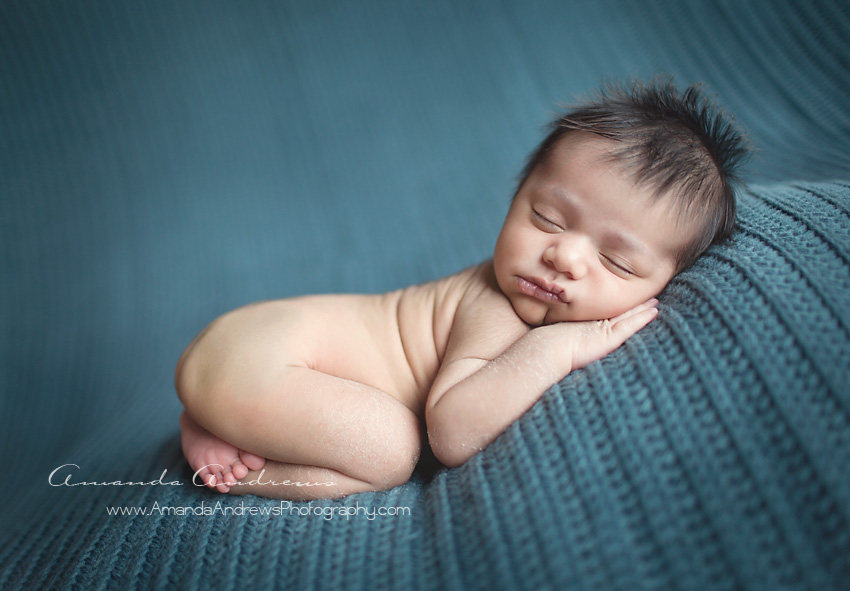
327	395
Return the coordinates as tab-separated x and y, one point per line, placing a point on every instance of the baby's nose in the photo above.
568	256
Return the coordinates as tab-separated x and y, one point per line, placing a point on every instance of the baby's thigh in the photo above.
318	419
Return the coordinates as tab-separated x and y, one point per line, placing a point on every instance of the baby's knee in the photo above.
398	459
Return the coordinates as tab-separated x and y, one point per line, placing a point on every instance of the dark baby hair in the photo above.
676	142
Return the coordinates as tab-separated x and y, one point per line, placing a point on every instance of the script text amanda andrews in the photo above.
55	479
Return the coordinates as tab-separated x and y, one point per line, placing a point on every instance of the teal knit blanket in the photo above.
709	452
164	162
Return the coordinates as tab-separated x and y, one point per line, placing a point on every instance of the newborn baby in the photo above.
323	396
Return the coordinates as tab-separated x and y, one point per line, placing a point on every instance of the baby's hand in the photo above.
595	339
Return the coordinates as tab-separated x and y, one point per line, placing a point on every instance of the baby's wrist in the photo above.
556	342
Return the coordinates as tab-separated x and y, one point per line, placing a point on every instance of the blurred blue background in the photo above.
162	162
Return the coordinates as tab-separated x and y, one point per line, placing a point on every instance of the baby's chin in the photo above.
539	314
562	314
531	315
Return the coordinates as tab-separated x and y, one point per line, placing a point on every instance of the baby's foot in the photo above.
217	463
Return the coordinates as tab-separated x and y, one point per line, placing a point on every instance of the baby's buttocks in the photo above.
393	341
355	337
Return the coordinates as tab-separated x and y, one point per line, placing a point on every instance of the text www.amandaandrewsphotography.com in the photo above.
281	509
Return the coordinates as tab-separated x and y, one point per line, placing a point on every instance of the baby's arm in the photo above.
496	368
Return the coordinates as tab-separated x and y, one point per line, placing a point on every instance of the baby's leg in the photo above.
217	463
277	480
316	428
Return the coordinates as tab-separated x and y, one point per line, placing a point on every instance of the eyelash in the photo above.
619	267
544	219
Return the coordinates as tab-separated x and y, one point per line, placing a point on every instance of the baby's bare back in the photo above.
394	341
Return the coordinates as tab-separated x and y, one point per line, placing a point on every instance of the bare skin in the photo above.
321	386
324	396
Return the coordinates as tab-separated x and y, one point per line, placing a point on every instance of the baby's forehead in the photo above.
670	195
580	152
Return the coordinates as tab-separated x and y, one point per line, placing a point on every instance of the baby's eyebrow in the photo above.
628	243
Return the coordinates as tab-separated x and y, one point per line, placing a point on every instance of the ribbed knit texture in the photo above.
163	162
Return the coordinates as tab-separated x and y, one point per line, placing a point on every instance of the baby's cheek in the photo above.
609	304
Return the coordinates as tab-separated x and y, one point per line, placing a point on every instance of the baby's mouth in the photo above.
541	290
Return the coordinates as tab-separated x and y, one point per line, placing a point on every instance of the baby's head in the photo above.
624	193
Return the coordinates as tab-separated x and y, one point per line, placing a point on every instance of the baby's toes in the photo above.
239	471
253	461
216	477
207	476
219	483
228	478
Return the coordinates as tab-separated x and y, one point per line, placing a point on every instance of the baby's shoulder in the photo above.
473	289
484	312
473	284
460	303
481	292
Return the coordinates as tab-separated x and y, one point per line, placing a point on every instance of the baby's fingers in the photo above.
597	339
594	340
647	305
628	323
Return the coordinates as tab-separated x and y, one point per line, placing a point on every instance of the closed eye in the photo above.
542	218
617	267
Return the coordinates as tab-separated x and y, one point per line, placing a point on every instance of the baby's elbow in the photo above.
446	454
452	453
448	445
